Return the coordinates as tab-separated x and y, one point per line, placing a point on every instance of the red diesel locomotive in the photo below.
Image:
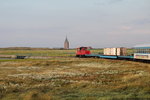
82	51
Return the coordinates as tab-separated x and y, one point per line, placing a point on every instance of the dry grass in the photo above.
73	79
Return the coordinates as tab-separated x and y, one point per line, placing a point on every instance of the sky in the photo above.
95	23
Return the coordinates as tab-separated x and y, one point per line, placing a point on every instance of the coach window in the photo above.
148	50
143	50
138	50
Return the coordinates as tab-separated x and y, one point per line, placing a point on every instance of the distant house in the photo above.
66	44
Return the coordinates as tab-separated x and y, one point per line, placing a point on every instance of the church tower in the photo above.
66	44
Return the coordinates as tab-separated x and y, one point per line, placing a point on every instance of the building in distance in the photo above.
66	43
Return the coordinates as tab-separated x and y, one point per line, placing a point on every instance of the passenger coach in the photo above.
142	52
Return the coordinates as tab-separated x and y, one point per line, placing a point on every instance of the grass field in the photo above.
70	78
38	52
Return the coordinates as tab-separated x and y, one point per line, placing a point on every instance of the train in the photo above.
140	53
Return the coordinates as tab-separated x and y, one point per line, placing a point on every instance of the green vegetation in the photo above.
61	77
38	52
130	51
64	78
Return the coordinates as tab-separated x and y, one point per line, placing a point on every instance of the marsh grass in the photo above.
69	78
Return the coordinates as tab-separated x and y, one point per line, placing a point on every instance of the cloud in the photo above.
114	1
126	28
107	2
142	21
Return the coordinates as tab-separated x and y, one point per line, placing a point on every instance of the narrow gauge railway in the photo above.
141	54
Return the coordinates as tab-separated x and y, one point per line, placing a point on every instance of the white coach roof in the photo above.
142	45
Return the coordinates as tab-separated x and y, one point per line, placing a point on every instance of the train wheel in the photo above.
77	55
